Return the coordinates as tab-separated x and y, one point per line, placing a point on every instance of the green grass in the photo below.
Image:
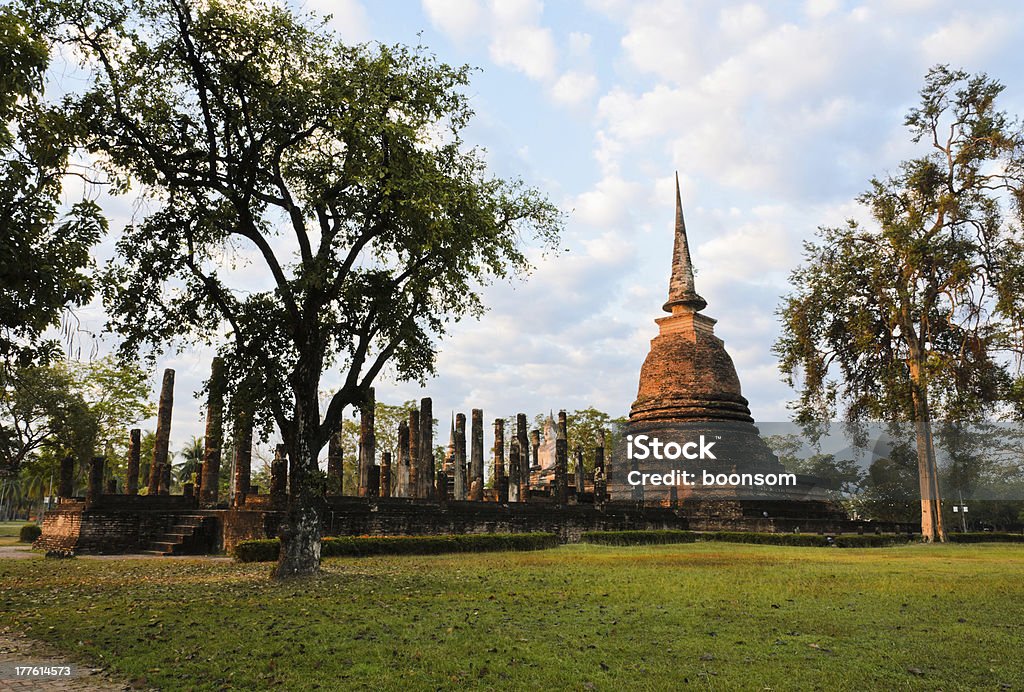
709	615
9	531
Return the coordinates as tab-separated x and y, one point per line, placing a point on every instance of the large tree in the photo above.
44	255
336	173
918	315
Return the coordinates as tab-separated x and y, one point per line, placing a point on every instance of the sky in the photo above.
775	115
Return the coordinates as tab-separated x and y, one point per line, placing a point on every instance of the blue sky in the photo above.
775	114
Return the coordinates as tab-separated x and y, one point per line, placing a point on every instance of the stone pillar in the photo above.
94	490
367	445
110	487
524	447
460	456
441	489
279	477
134	448
159	468
210	484
427	448
335	464
66	488
562	460
600	480
402	474
374	480
476	457
581	479
500	479
385	474
243	454
513	471
165	478
416	487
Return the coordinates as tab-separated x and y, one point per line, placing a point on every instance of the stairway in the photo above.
181	538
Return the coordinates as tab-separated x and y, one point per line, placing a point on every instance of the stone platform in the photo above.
125	524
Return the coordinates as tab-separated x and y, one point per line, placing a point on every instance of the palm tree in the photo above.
192	456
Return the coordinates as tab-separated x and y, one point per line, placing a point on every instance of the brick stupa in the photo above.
688	388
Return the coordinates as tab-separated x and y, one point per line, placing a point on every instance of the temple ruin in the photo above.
688	387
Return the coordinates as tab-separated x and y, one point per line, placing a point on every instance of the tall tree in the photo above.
337	172
73	408
44	256
916	316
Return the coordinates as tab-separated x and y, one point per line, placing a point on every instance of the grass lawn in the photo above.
709	615
9	531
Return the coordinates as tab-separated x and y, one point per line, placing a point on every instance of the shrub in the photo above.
29	533
808	539
985	537
349	546
257	551
638	537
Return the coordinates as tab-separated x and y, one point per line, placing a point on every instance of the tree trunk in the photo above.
931	508
300	533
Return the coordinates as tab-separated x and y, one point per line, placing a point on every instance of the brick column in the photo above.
159	469
367	446
426	431
66	488
460	456
476	456
513	471
385	474
335	464
416	485
500	479
562	461
243	455
402	471
210	483
279	477
94	490
134	448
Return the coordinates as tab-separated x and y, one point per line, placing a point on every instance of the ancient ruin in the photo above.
688	386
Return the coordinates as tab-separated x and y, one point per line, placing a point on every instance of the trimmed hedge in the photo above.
797	539
361	546
985	537
811	539
638	537
29	533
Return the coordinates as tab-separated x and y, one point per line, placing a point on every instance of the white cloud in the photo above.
348	18
965	39
574	88
817	9
579	44
456	18
529	49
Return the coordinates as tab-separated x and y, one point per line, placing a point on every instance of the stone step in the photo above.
165	547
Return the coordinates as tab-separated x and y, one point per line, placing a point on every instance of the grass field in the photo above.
707	615
9	531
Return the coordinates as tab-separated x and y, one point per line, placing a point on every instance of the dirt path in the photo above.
17	651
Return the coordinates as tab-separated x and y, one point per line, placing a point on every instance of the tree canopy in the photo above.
918	316
311	205
44	255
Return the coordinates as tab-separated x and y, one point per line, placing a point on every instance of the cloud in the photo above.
574	88
348	18
457	18
964	40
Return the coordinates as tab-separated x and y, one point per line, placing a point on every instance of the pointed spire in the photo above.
681	289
